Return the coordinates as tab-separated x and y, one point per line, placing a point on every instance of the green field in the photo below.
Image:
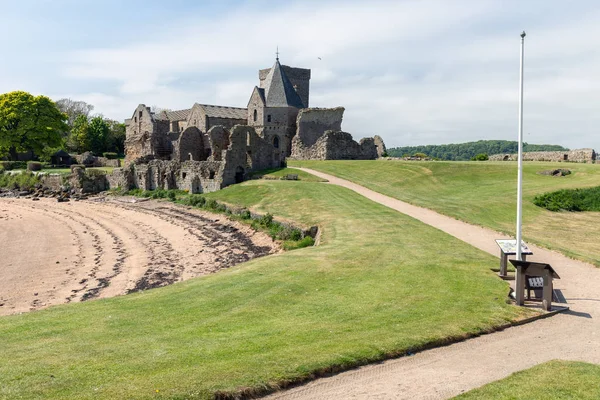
380	284
484	193
554	380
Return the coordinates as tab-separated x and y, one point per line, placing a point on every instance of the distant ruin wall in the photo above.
579	155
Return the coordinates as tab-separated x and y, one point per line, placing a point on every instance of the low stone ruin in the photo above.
319	137
556	172
579	155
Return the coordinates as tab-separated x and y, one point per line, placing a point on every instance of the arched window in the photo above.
276	142
255	115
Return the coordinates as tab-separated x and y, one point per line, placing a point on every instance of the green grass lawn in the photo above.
484	193
380	284
554	380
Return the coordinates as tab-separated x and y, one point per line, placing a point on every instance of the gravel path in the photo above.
53	253
448	371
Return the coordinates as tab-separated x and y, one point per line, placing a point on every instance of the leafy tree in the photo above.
74	109
78	140
116	136
98	134
29	122
466	151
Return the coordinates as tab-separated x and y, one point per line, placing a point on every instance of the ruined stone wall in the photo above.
146	136
227	123
335	145
381	150
218	138
312	123
189	146
579	155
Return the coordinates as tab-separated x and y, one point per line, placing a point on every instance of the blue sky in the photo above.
414	72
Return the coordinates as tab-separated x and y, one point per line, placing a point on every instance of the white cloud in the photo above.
415	72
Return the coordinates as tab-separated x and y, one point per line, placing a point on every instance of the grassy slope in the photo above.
553	380
280	172
485	194
380	284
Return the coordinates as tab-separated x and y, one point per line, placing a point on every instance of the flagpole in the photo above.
518	284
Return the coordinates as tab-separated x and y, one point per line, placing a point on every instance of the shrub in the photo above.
480	157
110	155
211	204
34	166
195	200
587	199
420	155
266	220
12	165
22	181
292	245
172	195
246	214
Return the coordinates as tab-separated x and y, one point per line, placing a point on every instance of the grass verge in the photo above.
485	194
380	284
554	380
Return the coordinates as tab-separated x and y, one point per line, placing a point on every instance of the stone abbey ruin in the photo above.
207	147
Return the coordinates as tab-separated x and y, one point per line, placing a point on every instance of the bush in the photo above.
211	204
292	245
570	200
171	195
12	165
195	200
266	220
480	157
34	166
22	181
246	214
420	155
110	155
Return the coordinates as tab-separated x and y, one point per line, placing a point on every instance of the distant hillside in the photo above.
465	151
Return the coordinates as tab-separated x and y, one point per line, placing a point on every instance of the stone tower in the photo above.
274	106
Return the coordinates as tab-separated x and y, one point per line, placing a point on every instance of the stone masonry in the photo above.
319	137
207	147
580	156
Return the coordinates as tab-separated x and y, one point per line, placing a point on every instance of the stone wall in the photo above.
312	123
381	150
189	146
335	145
579	155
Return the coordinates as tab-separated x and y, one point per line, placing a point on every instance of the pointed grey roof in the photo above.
279	91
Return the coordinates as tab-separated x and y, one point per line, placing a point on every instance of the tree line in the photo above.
37	124
469	150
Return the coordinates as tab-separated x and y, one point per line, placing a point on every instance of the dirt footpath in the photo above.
448	371
53	253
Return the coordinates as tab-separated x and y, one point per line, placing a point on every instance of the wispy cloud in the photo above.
414	72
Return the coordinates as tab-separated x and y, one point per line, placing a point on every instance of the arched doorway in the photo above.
196	186
239	175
